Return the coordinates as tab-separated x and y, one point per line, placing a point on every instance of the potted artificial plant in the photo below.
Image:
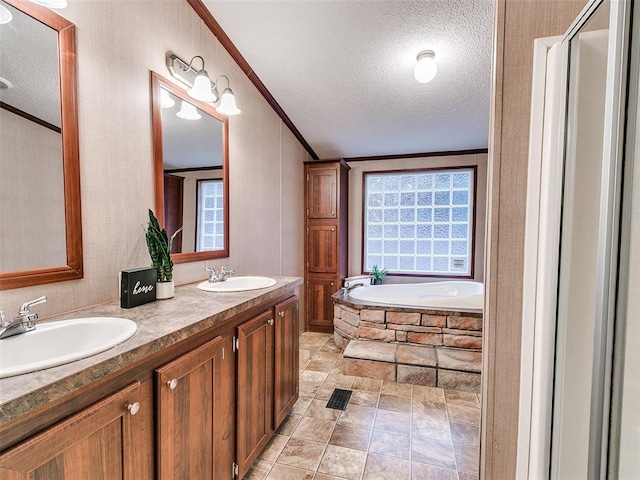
159	245
378	274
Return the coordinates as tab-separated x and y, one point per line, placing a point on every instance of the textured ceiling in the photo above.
29	60
343	70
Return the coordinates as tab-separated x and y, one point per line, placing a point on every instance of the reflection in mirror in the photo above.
190	149
39	180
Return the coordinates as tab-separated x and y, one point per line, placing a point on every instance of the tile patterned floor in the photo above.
389	430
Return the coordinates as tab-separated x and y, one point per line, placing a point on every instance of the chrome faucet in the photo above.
219	276
23	323
347	290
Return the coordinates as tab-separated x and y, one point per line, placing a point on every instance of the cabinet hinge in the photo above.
223	353
307	216
236	344
307	177
234	470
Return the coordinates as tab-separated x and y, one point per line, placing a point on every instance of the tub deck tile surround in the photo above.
409	344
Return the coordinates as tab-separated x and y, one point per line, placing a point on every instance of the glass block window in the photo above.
210	220
419	222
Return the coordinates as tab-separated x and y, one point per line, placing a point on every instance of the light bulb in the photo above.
426	68
228	103
165	100
188	112
5	15
51	3
201	89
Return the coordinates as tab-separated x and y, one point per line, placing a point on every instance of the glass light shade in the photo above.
165	99
426	68
5	15
228	103
201	89
188	112
51	3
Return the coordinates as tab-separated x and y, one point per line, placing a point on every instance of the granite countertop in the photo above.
160	325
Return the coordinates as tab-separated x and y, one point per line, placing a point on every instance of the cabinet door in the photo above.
322	193
286	360
105	441
322	244
318	301
255	389
189	392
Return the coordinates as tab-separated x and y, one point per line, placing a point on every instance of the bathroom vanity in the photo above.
196	393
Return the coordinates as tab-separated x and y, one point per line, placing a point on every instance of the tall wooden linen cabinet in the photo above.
326	234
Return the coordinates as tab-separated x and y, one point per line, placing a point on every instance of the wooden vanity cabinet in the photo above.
213	408
286	360
326	240
191	394
106	441
268	378
254	350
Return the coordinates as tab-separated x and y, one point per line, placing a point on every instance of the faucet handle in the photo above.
225	269
24	309
2	318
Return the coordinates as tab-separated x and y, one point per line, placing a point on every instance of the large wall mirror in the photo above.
191	172
40	218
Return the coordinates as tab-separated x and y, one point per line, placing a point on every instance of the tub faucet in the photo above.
219	276
23	323
347	290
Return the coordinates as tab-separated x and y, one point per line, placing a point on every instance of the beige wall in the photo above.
355	204
118	43
518	23
31	195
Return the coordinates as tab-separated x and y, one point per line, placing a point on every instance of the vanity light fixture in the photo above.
5	15
200	85
426	68
227	101
201	89
165	100
51	3
188	112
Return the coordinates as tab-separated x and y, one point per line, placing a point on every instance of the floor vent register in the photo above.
339	399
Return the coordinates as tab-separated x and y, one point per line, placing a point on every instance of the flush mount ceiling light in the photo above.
426	68
188	112
200	85
5	15
51	3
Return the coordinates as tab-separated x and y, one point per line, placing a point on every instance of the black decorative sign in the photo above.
138	286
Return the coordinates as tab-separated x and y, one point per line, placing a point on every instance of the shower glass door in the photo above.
595	47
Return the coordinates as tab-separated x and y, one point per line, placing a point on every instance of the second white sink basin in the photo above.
238	284
56	343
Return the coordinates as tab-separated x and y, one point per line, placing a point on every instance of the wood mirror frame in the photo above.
70	155
157	83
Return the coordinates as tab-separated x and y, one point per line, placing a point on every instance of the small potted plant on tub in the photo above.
159	245
378	274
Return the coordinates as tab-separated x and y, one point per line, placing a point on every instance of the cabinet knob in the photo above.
333	213
281	314
133	408
270	321
332	284
333	229
172	384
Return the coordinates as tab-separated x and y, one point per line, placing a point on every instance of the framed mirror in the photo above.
191	162
40	215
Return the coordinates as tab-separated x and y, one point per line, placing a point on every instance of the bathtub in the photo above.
441	295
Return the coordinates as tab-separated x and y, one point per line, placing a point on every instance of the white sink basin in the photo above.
238	284
65	341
